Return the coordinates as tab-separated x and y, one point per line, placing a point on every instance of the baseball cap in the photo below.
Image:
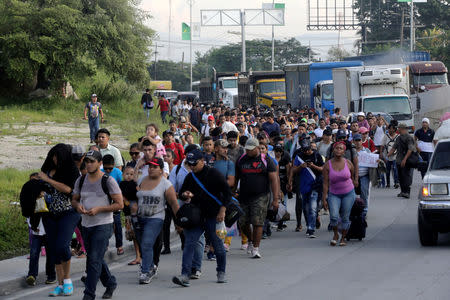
363	130
311	121
194	156
341	133
210	118
93	155
426	120
93	95
221	143
156	161
357	136
251	144
278	148
361	114
305	144
402	125
77	152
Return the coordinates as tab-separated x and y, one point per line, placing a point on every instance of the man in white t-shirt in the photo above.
319	131
207	127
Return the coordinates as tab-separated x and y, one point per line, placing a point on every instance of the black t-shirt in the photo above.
128	189
316	159
253	173
423	136
282	165
210	159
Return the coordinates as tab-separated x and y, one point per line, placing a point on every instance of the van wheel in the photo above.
428	237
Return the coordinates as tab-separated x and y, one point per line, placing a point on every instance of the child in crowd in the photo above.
108	168
152	136
169	143
128	187
208	148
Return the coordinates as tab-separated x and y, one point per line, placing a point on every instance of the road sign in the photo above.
264	17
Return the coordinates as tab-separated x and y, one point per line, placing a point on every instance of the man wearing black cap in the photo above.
93	203
210	182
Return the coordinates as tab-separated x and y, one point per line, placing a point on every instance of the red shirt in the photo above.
370	145
164	104
179	152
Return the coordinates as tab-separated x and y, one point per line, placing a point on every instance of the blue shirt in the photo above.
226	167
115	173
269	128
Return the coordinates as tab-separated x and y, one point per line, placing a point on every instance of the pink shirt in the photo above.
340	181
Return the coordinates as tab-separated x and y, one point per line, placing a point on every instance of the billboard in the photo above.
332	15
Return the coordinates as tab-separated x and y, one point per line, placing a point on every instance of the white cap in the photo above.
362	114
334	131
426	120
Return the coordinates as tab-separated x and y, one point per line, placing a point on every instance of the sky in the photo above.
296	18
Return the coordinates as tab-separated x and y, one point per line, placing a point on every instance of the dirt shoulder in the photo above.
25	147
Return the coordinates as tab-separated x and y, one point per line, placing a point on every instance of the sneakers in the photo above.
83	278
310	234
50	281
244	246
146	278
58	291
109	292
221	277
250	248
264	236
67	289
165	251
195	274
181	280
211	256
396	186
31	280
255	253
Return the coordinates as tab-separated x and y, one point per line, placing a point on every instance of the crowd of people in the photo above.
191	173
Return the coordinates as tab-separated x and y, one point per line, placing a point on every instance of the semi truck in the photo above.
381	88
427	75
391	57
310	84
262	87
220	87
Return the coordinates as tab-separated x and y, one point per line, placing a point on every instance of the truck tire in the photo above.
427	236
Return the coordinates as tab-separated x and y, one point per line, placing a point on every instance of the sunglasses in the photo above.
192	165
108	169
134	153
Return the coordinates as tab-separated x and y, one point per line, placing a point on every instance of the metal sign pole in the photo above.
244	57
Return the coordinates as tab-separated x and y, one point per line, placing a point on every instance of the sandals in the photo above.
120	251
342	243
298	229
333	243
134	262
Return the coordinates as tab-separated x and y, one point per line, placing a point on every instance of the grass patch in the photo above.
13	229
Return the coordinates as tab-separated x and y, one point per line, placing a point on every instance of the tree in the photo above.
169	70
228	58
61	40
337	54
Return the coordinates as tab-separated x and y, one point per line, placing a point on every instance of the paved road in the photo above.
388	264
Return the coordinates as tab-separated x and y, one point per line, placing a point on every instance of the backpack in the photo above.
389	143
104	185
178	169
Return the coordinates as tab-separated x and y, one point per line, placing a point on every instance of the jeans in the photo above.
364	183
96	242
163	116
310	206
59	230
341	206
94	126
150	230
198	253
118	229
390	164
166	228
405	176
37	241
191	246
426	156
299	209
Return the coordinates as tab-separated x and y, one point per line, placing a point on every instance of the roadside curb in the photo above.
8	287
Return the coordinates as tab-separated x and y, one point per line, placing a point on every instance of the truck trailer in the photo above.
221	86
262	87
310	84
381	88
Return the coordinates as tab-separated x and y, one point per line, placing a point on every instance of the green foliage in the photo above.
436	42
64	40
177	72
259	56
13	229
337	54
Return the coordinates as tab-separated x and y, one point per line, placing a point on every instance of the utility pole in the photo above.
273	41
191	2
170	29
243	66
402	28
154	64
412	31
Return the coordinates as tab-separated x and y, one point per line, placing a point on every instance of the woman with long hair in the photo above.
59	172
339	184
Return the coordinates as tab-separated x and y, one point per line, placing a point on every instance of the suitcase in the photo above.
358	224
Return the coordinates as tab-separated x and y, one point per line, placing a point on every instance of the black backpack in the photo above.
104	185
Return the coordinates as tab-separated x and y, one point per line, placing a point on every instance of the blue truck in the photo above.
391	57
310	84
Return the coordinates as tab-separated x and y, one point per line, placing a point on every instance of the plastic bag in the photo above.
221	230
41	205
232	231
